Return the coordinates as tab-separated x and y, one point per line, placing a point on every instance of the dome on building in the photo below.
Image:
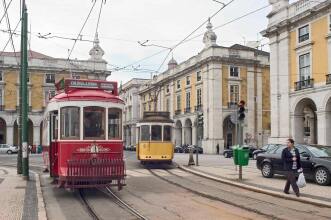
209	38
172	63
96	52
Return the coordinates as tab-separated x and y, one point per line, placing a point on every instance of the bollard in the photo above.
191	160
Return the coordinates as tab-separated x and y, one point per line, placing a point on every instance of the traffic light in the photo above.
241	110
200	119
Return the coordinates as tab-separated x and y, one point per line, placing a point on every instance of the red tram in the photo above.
82	129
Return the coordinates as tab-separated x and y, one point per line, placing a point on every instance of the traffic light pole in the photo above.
25	95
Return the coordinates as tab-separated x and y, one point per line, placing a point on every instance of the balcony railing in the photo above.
177	112
232	105
187	110
304	84
198	108
328	79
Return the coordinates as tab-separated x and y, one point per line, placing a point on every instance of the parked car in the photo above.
315	161
263	149
228	153
9	149
178	149
197	148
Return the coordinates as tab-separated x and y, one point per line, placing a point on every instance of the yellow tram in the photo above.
154	138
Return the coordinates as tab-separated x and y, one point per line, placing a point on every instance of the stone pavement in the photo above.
223	168
20	199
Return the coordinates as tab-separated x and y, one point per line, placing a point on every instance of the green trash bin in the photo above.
243	156
235	150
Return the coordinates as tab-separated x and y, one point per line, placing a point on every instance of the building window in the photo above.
178	84
188	80
199	97
149	107
1	103
188	100
50	78
198	76
234	71
145	106
304	67
168	89
178	102
234	93
303	33
1	75
330	22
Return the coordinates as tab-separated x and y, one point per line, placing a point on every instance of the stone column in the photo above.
36	135
250	118
194	133
10	134
212	108
171	96
259	108
323	125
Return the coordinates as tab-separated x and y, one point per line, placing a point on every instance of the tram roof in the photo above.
163	117
86	95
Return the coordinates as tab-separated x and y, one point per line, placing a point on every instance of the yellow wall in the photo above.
293	59
320	49
11	89
225	81
266	98
193	90
37	96
243	85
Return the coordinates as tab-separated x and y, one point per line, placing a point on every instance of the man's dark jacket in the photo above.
287	159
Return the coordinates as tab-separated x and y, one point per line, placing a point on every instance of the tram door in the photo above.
53	146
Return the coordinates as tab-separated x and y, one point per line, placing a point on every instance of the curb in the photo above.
256	189
41	204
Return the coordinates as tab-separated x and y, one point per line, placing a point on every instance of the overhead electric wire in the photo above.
6	9
88	16
96	29
3	50
9	28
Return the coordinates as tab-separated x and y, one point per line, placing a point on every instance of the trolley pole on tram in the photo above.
25	150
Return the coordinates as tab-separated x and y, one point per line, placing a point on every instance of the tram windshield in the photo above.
167	133
70	122
156	133
114	124
145	133
94	122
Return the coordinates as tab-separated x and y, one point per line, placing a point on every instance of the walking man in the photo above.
291	161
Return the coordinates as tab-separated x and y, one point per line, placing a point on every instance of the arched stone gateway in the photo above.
3	131
188	132
178	133
30	133
229	132
305	122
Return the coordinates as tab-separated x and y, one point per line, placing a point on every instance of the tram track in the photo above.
193	183
87	205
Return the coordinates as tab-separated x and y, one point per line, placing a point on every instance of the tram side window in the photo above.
156	133
167	133
144	133
70	123
114	124
54	127
94	122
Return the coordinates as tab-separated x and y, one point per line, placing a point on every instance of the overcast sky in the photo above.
124	22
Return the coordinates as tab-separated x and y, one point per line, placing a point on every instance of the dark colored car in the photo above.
178	149
228	153
315	161
264	149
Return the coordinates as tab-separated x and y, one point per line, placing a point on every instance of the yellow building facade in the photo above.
43	72
300	48
209	86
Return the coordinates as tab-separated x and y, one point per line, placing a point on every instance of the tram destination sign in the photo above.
66	84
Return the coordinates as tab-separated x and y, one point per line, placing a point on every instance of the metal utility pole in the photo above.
24	75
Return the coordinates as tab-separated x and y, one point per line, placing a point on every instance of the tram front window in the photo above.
167	133
144	133
156	133
94	122
114	124
70	123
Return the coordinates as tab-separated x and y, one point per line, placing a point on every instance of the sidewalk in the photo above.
222	169
20	199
